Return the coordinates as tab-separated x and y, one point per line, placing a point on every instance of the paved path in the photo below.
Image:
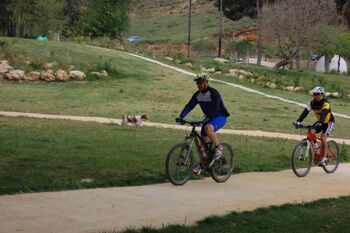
255	133
94	210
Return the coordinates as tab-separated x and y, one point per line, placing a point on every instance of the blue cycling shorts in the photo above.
218	122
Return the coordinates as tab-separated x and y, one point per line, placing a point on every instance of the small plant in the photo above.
296	81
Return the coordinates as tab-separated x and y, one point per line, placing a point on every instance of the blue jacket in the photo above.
210	102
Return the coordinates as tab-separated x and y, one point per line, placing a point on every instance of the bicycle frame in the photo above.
318	154
197	139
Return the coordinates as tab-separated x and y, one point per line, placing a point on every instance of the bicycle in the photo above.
180	161
309	149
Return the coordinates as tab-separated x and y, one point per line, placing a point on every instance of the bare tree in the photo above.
290	24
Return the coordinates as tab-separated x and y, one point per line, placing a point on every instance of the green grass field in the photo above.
46	155
327	216
174	27
83	150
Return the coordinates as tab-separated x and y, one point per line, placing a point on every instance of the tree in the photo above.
49	15
106	18
290	24
236	9
343	8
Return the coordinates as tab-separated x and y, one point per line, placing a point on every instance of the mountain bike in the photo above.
180	160
309	150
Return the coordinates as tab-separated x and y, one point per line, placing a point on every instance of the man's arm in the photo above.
215	97
191	104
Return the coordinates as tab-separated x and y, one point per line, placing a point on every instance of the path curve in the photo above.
96	210
104	120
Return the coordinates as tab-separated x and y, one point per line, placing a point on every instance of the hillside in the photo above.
167	20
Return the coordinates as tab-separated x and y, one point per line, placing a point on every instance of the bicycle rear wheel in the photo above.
179	164
222	169
301	159
333	157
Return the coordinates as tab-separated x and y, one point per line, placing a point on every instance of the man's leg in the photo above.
209	130
324	148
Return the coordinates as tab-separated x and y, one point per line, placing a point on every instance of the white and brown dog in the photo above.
137	120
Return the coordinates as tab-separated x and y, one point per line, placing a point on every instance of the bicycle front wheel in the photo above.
222	169
179	164
301	159
332	157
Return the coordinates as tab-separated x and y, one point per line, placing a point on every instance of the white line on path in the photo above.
253	133
230	84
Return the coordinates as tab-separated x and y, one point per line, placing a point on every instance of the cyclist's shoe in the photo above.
198	170
218	152
323	162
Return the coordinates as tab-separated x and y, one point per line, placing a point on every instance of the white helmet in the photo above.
318	90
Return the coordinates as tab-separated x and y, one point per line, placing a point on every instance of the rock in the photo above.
298	89
15	75
335	94
104	73
48	66
47	76
310	92
61	75
326	94
76	74
271	85
4	67
169	58
4	62
240	77
290	88
348	96
218	72
208	70
2	76
189	65
32	76
252	80
221	60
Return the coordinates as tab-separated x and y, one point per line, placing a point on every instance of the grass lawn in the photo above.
327	216
136	86
174	27
45	155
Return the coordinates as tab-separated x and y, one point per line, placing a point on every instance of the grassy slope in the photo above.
310	217
138	86
174	27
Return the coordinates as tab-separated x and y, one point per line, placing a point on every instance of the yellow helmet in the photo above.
201	77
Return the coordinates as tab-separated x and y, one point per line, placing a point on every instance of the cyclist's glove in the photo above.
318	125
297	125
180	120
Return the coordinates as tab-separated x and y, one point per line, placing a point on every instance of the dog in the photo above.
137	120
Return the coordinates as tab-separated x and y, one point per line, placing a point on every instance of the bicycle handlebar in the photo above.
193	123
303	126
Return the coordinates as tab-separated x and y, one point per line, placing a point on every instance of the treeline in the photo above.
94	18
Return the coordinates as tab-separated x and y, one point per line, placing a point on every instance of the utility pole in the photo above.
220	32
259	45
189	29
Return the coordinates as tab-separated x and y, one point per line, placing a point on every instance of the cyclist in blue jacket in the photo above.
213	107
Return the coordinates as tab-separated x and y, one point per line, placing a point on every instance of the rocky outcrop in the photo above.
32	76
61	75
15	75
76	74
47	76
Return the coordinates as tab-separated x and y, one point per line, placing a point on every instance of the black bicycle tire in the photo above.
232	157
293	164
325	168
167	164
